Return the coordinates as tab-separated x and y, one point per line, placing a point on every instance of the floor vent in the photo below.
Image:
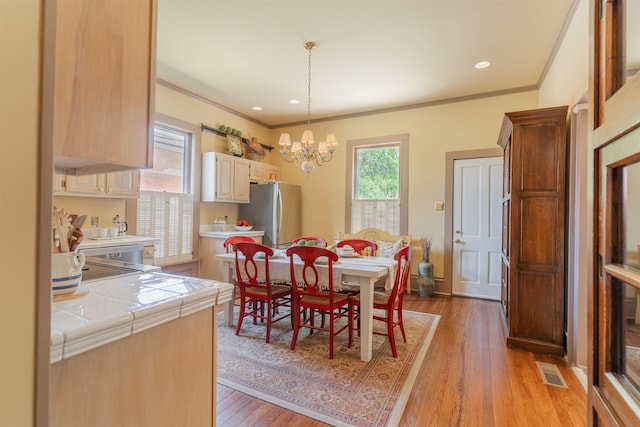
551	375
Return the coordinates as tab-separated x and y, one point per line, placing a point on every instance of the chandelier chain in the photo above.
309	49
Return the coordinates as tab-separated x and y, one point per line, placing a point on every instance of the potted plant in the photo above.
425	280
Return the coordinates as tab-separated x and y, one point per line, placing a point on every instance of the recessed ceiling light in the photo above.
482	64
256	108
294	101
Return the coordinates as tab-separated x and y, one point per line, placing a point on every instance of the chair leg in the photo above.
350	320
269	317
392	338
296	325
241	314
401	324
331	334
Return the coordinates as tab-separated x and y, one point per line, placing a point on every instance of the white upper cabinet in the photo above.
225	178
263	172
123	184
258	172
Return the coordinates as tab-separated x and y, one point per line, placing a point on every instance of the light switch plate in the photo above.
439	206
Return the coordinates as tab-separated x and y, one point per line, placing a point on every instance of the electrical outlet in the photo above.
439	206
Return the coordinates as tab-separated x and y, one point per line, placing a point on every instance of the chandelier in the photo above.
302	153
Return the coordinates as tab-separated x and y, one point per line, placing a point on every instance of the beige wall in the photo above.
433	131
197	111
567	83
19	124
105	209
567	80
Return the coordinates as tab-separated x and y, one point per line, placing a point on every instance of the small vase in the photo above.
425	280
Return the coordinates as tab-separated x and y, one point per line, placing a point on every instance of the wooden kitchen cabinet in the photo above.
225	178
260	172
162	376
533	232
103	63
275	170
124	183
148	254
114	184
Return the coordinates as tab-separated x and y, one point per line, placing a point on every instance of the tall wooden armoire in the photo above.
533	232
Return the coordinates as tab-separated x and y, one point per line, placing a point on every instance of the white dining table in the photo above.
364	271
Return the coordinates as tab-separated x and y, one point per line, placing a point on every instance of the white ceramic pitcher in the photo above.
66	271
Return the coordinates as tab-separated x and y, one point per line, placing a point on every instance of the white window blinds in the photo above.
382	214
168	217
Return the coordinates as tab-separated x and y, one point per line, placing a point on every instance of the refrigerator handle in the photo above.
279	215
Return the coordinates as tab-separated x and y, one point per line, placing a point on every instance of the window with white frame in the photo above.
377	184
165	205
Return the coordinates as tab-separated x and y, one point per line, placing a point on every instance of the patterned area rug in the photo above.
344	391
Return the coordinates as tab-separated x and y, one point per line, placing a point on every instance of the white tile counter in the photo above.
119	307
92	243
223	231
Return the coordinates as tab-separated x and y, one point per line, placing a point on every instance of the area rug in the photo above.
344	391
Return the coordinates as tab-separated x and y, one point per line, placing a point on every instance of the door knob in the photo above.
458	241
458	231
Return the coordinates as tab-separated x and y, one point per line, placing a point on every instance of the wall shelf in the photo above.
224	134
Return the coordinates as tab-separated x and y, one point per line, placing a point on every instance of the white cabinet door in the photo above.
85	184
224	178
125	183
258	172
241	184
224	167
59	183
273	173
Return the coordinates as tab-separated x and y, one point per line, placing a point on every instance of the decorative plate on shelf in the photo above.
235	145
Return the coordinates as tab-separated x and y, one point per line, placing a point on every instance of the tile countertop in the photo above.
119	307
224	231
90	243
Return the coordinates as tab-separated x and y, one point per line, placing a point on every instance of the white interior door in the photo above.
477	227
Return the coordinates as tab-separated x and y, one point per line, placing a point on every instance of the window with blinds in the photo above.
168	217
377	184
165	205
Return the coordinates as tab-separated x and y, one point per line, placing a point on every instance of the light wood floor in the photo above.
468	378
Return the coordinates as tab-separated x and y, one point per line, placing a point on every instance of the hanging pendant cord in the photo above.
309	46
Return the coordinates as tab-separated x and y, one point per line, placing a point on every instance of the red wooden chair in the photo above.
391	302
321	242
257	290
361	246
230	241
228	247
307	294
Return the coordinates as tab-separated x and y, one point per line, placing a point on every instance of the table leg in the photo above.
228	306
366	318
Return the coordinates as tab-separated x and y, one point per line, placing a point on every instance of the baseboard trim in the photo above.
581	375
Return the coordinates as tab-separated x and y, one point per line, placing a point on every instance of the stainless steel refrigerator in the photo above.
275	207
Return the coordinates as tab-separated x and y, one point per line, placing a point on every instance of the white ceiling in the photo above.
370	54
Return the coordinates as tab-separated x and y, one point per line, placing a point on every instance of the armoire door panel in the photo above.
538	233
538	311
537	151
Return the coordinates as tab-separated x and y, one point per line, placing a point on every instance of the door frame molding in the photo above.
450	158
